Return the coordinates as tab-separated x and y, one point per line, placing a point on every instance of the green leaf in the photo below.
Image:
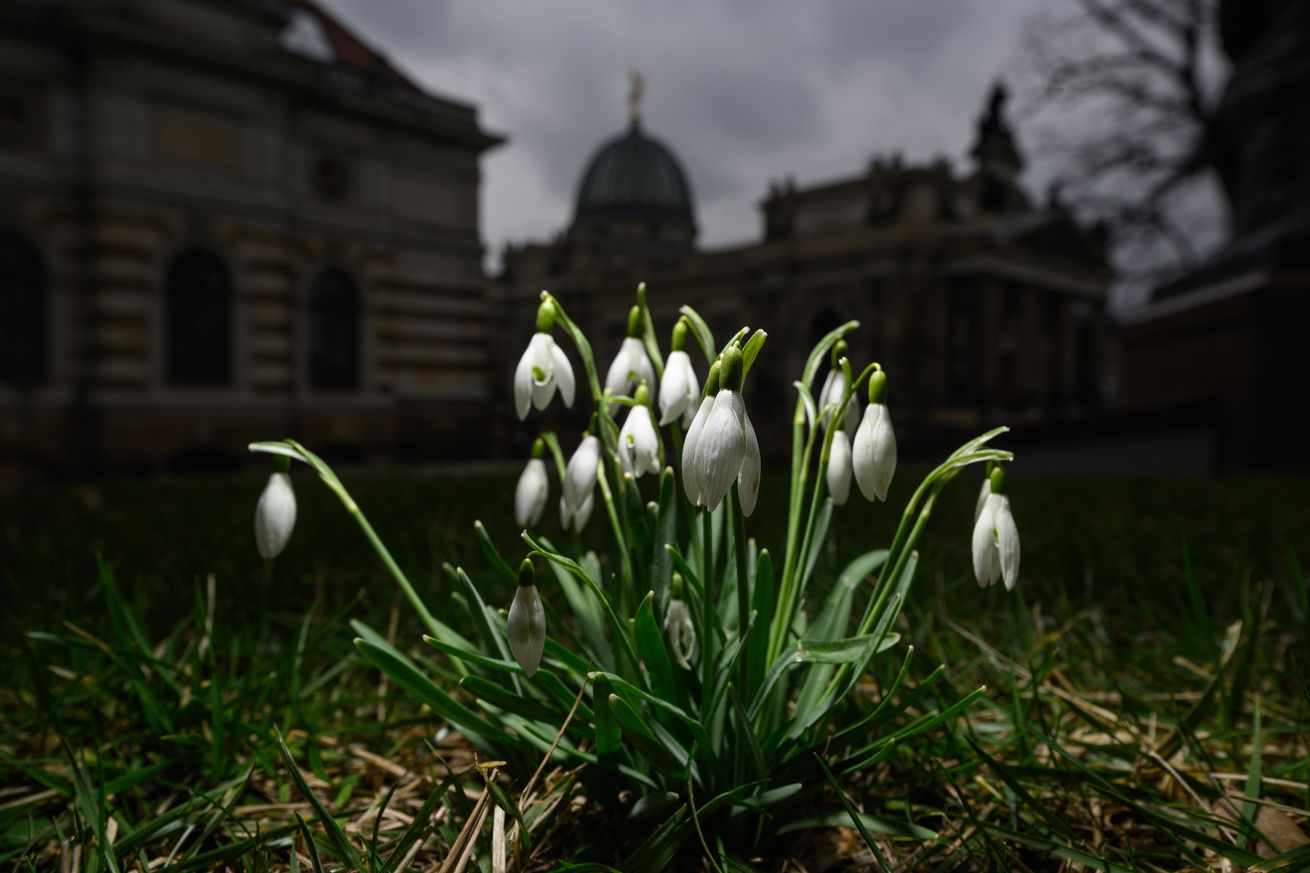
503	801
820	353
751	350
662	751
848	651
336	836
650	645
503	698
479	612
664	534
762	605
701	330
499	564
868	823
408	676
608	736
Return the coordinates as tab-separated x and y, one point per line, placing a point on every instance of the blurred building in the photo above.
223	220
981	304
1221	352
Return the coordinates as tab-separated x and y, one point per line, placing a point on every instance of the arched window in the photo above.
334	331
198	305
22	311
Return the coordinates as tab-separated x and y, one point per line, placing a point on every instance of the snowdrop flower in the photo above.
275	515
839	468
579	487
679	390
678	627
834	387
543	368
533	489
725	449
526	625
873	453
690	484
996	538
639	445
631	365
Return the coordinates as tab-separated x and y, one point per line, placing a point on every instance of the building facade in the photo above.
981	304
225	220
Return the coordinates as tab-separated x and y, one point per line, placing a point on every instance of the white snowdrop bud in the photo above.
526	626
873	453
639	446
631	365
995	542
579	486
681	633
839	468
721	447
275	515
543	368
533	489
679	391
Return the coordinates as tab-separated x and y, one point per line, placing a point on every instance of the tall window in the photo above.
334	331
962	343
22	311
198	305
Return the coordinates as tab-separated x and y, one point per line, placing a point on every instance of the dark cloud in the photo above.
743	91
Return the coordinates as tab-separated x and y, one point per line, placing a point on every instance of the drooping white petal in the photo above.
873	454
690	481
681	633
834	385
583	513
631	366
983	493
748	480
839	468
639	447
530	494
526	628
523	380
986	560
562	370
679	390
275	515
1007	542
580	474
721	448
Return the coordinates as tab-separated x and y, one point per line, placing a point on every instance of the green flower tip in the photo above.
878	386
593	425
675	588
281	463
641	293
997	476
642	394
538	448
527	574
839	351
712	379
680	334
634	321
545	315
732	371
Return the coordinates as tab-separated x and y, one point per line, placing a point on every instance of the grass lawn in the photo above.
1147	703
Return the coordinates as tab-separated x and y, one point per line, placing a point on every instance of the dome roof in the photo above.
634	175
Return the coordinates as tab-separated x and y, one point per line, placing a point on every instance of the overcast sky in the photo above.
743	91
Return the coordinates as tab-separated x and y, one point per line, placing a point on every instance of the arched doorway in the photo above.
22	311
334	331
198	306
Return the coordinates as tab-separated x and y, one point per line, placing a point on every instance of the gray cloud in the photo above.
743	91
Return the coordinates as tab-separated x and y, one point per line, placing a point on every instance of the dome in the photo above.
634	176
